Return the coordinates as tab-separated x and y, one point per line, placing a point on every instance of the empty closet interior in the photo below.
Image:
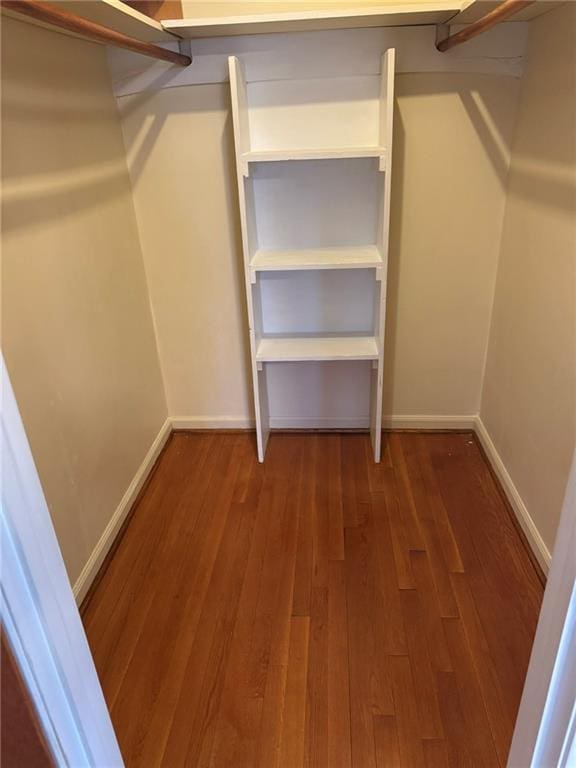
289	313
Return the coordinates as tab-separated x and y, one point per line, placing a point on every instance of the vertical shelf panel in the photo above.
386	136
246	203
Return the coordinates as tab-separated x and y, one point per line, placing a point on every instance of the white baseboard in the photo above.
342	422
531	532
312	422
212	422
429	422
100	551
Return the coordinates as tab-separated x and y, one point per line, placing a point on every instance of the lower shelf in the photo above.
301	348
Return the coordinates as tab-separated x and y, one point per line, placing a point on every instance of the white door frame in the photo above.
39	614
545	732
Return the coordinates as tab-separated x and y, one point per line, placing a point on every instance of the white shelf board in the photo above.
361	257
302	348
317	153
386	15
114	14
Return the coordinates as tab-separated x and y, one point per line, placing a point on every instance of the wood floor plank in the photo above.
450	470
386	742
408	726
408	509
199	711
304	549
244	489
435	753
269	638
202	678
294	712
500	705
424	503
295	613
321	513
480	737
386	612
430	721
316	732
280	624
334	498
508	642
202	700
355	487
369	693
398	533
437	509
238	722
378	473
431	612
339	734
455	726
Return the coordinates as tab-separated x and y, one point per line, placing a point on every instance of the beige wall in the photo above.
77	331
452	139
181	157
451	153
529	397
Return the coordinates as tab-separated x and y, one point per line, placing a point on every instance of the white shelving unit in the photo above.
313	161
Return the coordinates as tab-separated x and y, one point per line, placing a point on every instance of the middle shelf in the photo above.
300	348
345	257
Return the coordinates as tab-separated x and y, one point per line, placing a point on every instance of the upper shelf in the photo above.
114	14
387	15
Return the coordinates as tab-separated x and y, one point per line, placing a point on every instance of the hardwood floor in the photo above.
318	610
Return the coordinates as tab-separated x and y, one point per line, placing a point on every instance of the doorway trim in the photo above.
39	613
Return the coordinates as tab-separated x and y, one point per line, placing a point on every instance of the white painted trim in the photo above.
101	549
417	421
528	525
545	726
39	614
212	422
313	422
423	421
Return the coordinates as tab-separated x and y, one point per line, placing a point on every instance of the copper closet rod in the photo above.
502	12
73	23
